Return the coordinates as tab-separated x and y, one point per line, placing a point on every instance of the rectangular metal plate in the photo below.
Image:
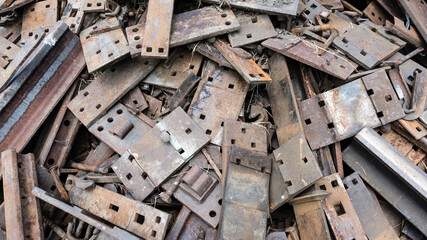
219	96
40	14
119	117
95	100
417	12
416	129
93	6
391	188
12	32
245	201
73	15
105	48
243	135
22	209
172	77
330	62
209	210
383	97
342	112
286	8
376	13
8	49
79	213
209	51
247	68
41	92
131	215
133	177
404	146
340	211
134	98
367	53
157	30
253	28
368	209
379	29
297	164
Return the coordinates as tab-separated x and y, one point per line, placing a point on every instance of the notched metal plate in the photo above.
246	67
330	62
252	29
172	77
219	96
105	91
297	164
340	211
131	215
119	128
105	48
287	8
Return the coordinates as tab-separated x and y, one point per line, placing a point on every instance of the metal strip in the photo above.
43	89
368	209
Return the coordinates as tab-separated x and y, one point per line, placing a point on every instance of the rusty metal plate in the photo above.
73	15
404	146
246	67
366	53
309	215
368	209
93	5
41	14
157	29
248	136
40	93
134	36
79	213
134	98
22	210
416	129
383	97
12	32
376	13
95	100
297	164
245	202
379	29
209	51
119	128
209	209
8	50
219	96
286	8
154	106
390	187
63	141
173	77
214	152
133	216
332	4
330	62
253	28
105	48
410	35
189	226
133	177
339	210
342	112
417	12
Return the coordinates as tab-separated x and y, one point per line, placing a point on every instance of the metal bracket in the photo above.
253	28
104	48
219	96
340	211
131	215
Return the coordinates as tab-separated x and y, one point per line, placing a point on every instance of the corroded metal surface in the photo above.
342	112
417	12
253	28
104	48
172	77
157	29
119	128
246	67
131	215
375	13
330	62
245	201
338	208
404	146
22	210
134	98
97	98
40	14
41	92
219	96
209	51
269	6
93	5
368	209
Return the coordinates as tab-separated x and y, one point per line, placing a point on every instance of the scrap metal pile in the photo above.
213	119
